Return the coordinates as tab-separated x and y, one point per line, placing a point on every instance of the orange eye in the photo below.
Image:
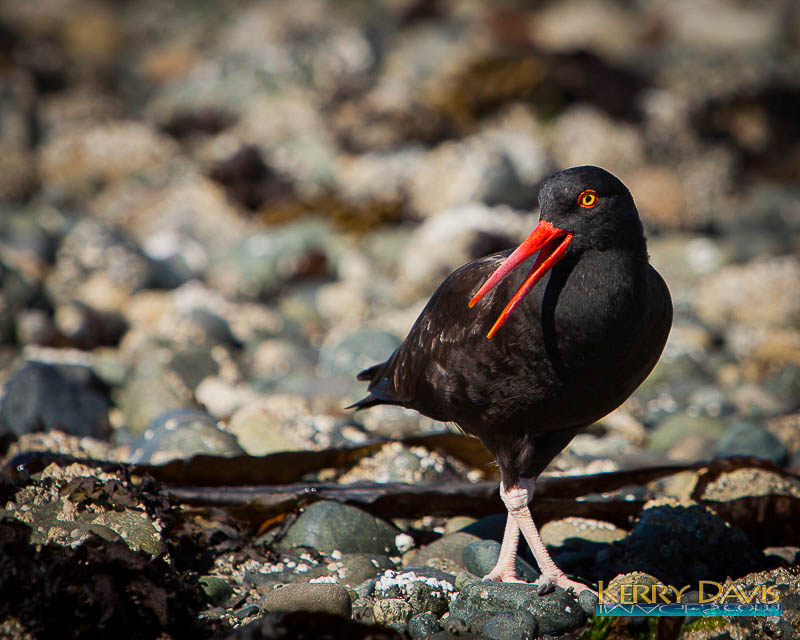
588	198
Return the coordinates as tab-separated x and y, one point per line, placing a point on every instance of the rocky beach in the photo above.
213	215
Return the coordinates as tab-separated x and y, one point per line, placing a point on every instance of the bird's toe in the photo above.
500	576
546	583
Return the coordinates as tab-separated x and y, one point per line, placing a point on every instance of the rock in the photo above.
423	624
425	589
258	266
79	157
349	355
395	462
747	439
98	267
511	625
481	557
152	386
556	612
392	612
584	135
759	293
259	431
86	328
330	526
446	553
660	198
752	481
357	568
785	581
68	506
683	544
42	396
622	588
673	429
313	598
219	592
557	533
446	241
182	434
482	169
222	398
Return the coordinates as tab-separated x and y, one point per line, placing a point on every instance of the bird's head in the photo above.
581	208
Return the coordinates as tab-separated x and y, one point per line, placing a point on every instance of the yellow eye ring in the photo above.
588	198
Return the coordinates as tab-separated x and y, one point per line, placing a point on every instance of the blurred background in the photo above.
233	207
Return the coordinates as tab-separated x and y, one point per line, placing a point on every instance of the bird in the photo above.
525	348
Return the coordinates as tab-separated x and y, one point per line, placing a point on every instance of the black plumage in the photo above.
576	346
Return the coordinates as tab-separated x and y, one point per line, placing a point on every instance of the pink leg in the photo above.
505	569
516	500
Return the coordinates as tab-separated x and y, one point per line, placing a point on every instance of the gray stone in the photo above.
314	598
183	434
356	351
423	624
747	439
556	612
262	263
481	557
330	526
43	396
359	567
511	625
673	429
445	553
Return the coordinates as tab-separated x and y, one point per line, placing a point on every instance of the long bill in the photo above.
543	239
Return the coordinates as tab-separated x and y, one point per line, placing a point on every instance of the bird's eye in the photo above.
588	198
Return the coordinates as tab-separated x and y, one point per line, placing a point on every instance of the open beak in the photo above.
551	242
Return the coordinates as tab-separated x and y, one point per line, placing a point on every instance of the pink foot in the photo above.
547	582
501	575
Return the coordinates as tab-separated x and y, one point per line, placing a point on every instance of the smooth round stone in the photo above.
329	526
445	553
356	351
313	598
43	397
481	557
423	625
360	567
674	428
182	434
511	625
747	439
260	430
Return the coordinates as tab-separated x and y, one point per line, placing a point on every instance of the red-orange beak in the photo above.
551	242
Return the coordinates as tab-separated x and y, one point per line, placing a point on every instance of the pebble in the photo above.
182	434
41	396
329	526
747	439
313	598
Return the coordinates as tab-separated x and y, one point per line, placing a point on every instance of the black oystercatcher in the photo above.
524	360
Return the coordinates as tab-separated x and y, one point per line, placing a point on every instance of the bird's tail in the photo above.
365	403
